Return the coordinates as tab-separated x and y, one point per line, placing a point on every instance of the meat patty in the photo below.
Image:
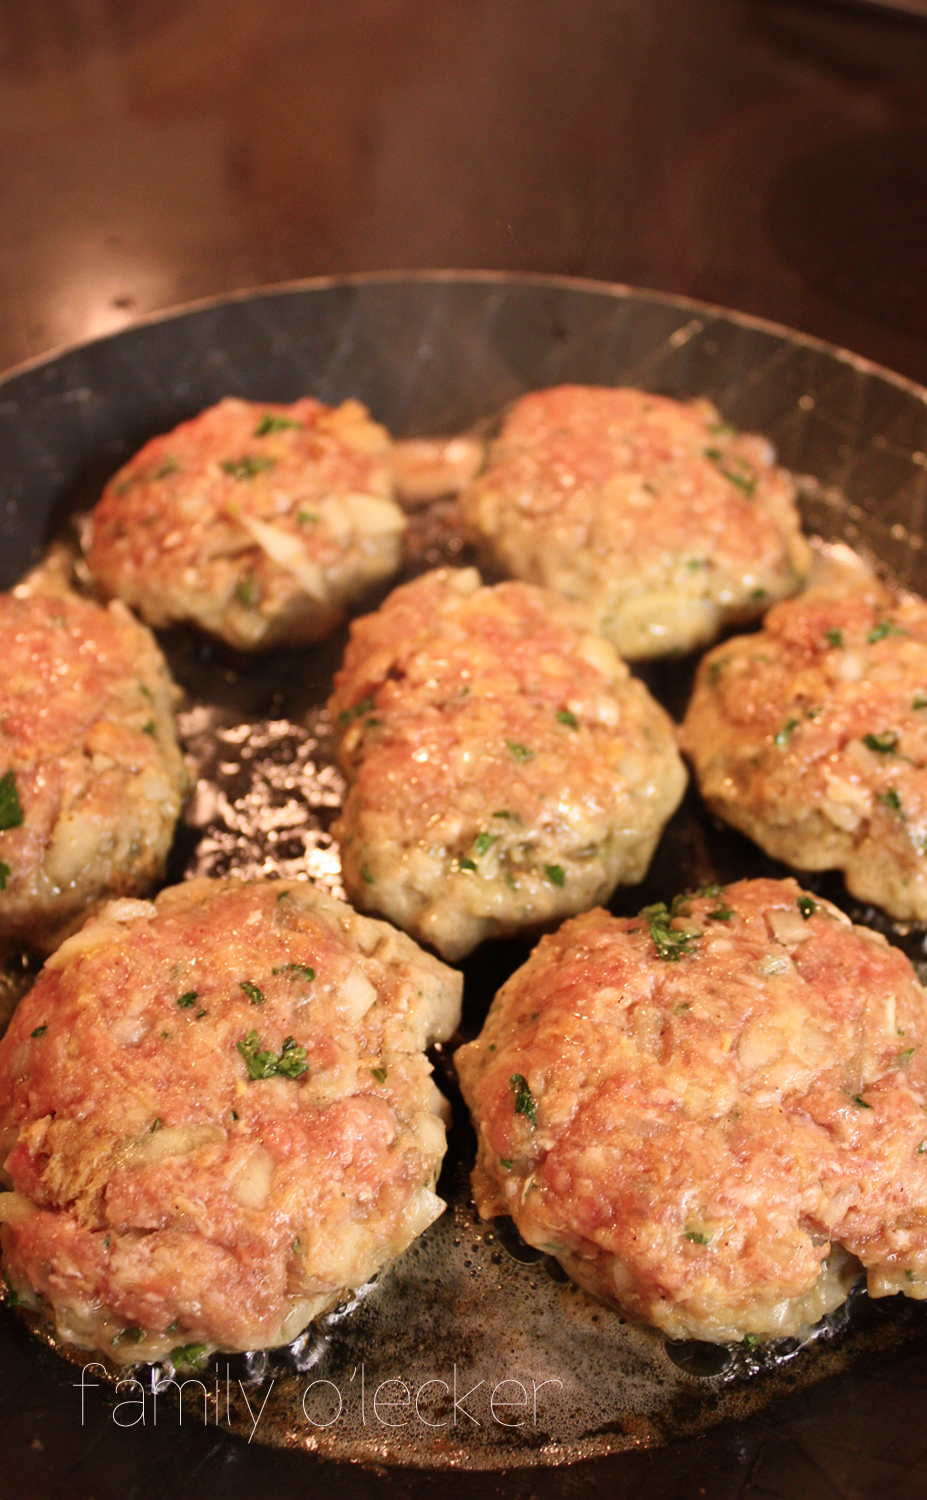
811	737
506	770
710	1114
259	523
217	1116
664	521
91	776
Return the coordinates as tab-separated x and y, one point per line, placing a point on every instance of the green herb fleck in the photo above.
192	1356
273	422
697	1238
758	594
5	873
306	517
884	743
680	1010
891	799
910	1275
297	1247
506	1163
156	1125
750	1340
882	629
555	874
806	906
255	995
736	470
721	913
247	466
11	813
905	1057
129	1336
525	1103
715	669
169	466
520	752
244	592
670	942
504	813
265	1064
296	971
858	1099
366	875
785	733
920	701
379	1074
570	720
187	999
466	864
833	636
150	728
40	1030
484	842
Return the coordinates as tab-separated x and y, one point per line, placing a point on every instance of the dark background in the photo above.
767	155
764	154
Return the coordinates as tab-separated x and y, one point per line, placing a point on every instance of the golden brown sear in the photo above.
506	770
664	521
712	1115
217	1117
811	737
260	523
91	776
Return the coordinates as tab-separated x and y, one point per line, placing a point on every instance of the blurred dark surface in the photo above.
763	154
766	155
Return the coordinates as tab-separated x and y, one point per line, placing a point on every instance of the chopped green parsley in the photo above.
170	466
484	842
296	971
291	1062
858	1099
670	942
697	1237
525	1103
249	465
11	813
274	422
187	999
806	906
785	733
891	799
5	873
736	470
884	743
570	720
882	629
466	864
379	1074
192	1356
255	995
520	752
555	874
41	1030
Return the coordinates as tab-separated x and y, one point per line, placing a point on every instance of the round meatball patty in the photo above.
664	521
505	768
217	1116
811	737
91	776
710	1114
259	523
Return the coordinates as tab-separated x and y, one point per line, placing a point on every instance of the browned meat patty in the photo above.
506	770
91	776
665	522
260	523
811	737
710	1114
216	1116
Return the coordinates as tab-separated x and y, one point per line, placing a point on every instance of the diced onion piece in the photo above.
355	996
287	550
374	516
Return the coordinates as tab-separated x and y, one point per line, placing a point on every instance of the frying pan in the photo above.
609	1409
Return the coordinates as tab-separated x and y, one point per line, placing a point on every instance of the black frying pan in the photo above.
430	355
